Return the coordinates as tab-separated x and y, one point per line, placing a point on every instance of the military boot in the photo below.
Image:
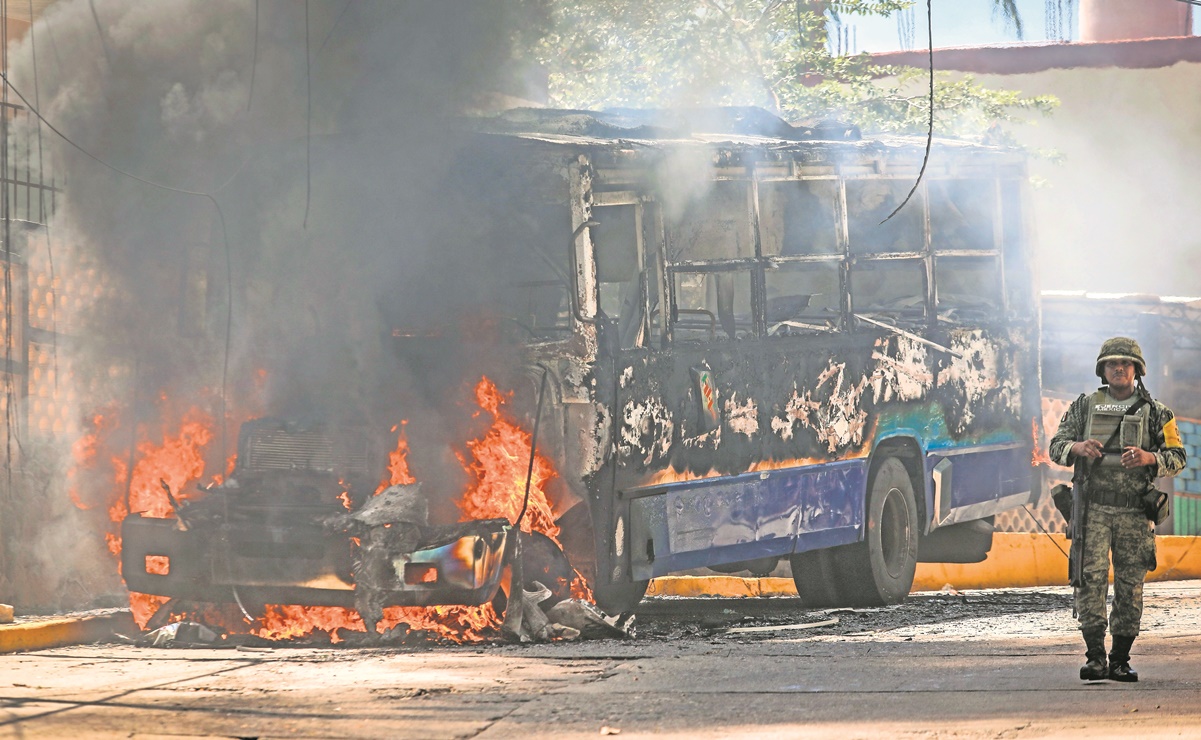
1119	660
1094	652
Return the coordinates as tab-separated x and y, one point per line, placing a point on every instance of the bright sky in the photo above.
962	23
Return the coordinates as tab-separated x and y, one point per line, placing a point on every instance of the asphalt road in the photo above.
973	665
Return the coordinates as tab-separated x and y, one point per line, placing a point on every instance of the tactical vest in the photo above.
1105	416
1109	482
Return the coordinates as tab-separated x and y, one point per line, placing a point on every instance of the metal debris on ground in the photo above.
591	622
568	619
180	634
779	627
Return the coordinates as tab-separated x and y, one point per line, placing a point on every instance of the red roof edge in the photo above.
1027	58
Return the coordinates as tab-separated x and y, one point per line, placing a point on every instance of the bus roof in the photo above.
739	128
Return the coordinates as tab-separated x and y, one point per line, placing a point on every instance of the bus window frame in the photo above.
902	259
836	321
994	251
1003	245
751	266
744	267
620	199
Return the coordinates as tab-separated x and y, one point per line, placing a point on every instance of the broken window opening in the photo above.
711	252
715	226
891	290
962	214
967	289
537	295
798	217
711	305
870	231
615	241
803	298
1021	295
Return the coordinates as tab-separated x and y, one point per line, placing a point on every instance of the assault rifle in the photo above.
1081	470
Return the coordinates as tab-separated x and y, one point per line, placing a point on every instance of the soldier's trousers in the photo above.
1128	535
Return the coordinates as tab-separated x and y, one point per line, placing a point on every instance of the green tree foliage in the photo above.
769	53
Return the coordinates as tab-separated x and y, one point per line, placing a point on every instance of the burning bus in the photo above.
736	347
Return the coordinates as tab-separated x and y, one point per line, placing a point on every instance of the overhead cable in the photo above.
930	129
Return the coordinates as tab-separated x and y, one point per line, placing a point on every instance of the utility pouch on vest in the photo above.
1131	431
1156	505
1061	496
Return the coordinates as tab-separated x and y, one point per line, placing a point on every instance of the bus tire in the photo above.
816	578
619	598
879	570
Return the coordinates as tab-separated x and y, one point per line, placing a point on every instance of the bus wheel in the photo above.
619	598
880	569
816	579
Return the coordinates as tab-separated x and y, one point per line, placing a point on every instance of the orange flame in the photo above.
178	461
500	467
1037	455
497	463
398	463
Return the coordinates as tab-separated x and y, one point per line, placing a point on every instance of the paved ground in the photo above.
973	665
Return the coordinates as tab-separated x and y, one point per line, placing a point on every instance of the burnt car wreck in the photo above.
277	532
744	363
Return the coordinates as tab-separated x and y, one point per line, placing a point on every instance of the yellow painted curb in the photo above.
1016	560
48	633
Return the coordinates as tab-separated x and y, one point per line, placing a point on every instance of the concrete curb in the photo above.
59	631
1016	560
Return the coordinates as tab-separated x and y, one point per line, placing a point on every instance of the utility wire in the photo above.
333	28
930	129
99	32
308	124
254	62
1039	524
10	385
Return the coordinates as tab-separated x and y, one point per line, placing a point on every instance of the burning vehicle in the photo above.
279	531
727	348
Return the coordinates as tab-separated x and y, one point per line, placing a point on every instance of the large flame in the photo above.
177	461
500	465
497	464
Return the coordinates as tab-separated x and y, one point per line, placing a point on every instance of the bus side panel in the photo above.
980	483
755	515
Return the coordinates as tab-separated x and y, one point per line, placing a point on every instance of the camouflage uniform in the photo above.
1123	530
1127	534
1117	521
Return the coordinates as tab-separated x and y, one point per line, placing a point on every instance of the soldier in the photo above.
1119	484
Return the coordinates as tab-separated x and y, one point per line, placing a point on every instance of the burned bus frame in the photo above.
747	359
756	362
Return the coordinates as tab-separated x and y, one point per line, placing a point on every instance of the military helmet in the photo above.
1121	348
